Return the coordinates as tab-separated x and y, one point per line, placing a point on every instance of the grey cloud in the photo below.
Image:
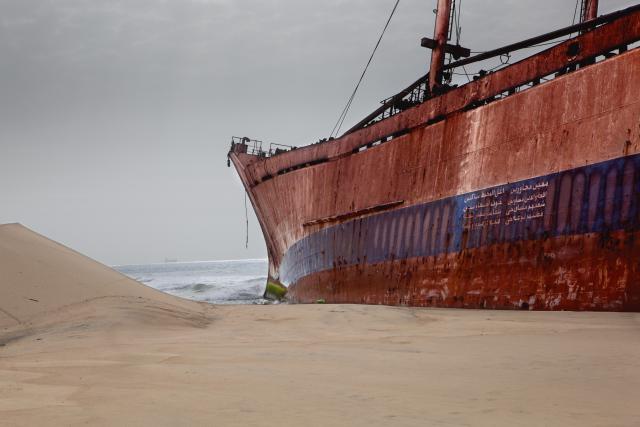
115	116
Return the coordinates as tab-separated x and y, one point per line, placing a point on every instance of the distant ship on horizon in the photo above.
517	190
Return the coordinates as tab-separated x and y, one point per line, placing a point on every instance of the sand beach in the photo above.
81	344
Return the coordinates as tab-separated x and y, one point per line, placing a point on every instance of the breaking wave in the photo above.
219	282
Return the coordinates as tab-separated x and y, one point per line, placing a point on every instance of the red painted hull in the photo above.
566	273
333	214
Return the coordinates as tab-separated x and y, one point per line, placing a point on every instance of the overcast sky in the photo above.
116	116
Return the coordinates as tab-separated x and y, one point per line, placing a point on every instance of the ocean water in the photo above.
218	282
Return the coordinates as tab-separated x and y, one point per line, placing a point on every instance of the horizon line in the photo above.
189	262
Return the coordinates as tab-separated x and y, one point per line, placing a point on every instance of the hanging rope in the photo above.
246	219
343	115
457	13
458	26
575	11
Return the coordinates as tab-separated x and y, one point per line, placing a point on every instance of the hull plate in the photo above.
589	272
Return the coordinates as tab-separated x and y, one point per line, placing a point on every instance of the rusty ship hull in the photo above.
506	193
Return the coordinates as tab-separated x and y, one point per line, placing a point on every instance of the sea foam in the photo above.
219	282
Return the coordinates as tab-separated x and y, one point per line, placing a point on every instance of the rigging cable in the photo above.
575	13
246	219
457	10
343	115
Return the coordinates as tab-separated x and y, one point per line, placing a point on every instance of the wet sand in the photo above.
105	350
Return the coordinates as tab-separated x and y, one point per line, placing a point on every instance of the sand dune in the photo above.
41	281
100	349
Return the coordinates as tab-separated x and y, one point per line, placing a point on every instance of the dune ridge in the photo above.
44	281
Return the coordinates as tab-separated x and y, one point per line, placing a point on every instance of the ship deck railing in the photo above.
418	92
258	148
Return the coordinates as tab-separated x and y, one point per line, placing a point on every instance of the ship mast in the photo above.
589	10
439	45
440	37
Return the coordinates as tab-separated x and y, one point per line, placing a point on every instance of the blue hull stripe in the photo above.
591	199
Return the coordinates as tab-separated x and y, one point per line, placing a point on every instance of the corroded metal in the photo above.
471	166
526	244
440	38
419	89
589	10
353	214
544	277
602	40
